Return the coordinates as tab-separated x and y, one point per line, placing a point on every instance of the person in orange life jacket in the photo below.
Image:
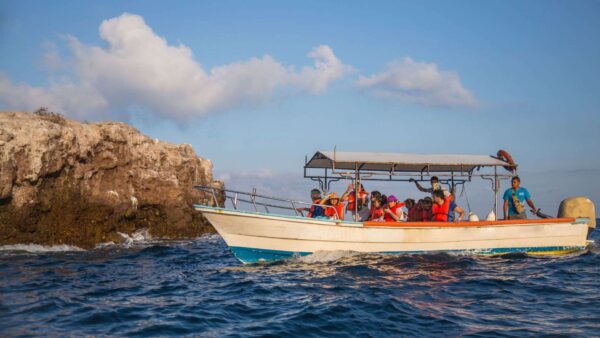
336	211
377	213
350	197
315	210
411	209
392	211
440	207
435	185
513	201
423	210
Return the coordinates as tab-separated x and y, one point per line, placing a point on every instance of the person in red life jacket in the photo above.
392	211
350	197
411	210
377	212
315	209
425	212
336	209
441	206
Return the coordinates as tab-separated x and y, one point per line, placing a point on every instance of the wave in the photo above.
327	256
36	248
139	236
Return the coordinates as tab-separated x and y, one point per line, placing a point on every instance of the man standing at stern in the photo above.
514	199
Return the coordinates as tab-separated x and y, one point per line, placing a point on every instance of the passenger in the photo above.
377	212
315	209
454	208
426	213
364	213
337	210
392	211
514	199
374	195
435	185
350	197
411	209
441	206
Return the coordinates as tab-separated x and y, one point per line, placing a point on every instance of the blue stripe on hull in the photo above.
253	255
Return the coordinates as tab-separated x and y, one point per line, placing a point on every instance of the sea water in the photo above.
148	287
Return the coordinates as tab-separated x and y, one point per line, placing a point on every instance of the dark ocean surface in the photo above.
197	288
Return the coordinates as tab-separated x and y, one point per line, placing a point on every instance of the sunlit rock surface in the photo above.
66	182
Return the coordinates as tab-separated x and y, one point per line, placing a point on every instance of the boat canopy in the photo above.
401	162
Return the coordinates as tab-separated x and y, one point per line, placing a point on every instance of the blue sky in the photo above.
424	77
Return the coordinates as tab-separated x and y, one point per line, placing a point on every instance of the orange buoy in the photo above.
505	156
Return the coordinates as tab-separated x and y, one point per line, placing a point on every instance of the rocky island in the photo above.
67	182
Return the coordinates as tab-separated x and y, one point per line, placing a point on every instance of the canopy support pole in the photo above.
356	185
496	191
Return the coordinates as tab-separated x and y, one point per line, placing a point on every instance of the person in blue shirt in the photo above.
315	210
514	200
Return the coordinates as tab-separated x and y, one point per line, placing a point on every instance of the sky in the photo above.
257	86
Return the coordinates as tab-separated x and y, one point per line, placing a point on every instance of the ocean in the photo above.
149	287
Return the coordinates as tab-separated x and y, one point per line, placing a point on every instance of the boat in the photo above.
260	234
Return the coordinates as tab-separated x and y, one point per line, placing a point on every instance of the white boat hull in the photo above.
256	237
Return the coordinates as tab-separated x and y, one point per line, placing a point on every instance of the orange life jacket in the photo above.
393	209
440	212
330	212
412	213
352	199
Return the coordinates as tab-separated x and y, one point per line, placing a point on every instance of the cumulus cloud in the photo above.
418	82
138	68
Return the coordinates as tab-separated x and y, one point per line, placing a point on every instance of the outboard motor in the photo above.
579	206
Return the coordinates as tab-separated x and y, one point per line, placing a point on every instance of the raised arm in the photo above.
419	185
346	193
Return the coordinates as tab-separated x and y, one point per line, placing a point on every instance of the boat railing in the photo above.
219	196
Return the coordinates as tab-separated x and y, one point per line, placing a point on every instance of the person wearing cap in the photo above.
336	207
435	185
392	211
514	198
315	210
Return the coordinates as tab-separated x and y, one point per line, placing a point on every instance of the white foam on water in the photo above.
36	248
139	236
327	256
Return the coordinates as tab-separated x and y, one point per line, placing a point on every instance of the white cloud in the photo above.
140	69
418	82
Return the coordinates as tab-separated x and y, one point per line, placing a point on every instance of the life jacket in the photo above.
393	209
330	212
413	213
376	214
352	199
311	212
440	212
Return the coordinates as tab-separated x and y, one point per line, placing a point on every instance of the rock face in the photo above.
65	182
